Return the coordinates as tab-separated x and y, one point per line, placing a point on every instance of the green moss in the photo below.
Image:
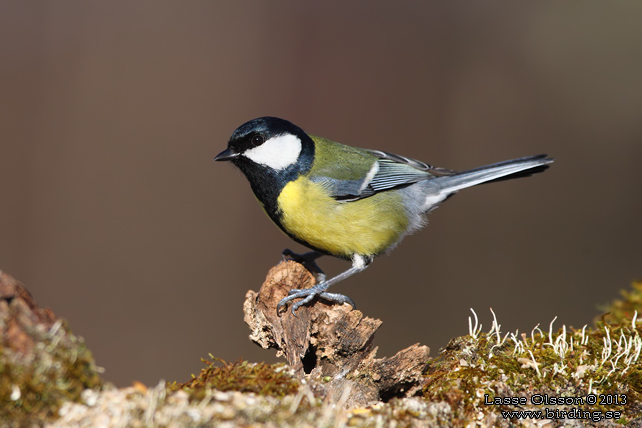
604	359
34	386
622	311
259	378
634	379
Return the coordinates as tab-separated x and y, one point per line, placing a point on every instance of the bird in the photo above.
351	203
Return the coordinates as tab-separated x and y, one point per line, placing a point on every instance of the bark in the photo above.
19	316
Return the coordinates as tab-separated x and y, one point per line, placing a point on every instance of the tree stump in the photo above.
330	345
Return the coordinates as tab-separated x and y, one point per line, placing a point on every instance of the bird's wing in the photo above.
398	171
373	171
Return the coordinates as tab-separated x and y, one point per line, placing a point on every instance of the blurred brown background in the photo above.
114	214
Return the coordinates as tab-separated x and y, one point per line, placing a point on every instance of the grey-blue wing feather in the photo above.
392	175
392	172
401	160
345	190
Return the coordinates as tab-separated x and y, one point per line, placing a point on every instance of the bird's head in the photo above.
267	143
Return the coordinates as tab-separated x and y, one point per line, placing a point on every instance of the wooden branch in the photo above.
330	343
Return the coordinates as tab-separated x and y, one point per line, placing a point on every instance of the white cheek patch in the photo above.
277	153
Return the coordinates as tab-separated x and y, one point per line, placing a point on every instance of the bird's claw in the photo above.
309	294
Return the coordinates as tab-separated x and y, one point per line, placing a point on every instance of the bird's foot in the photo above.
308	260
309	294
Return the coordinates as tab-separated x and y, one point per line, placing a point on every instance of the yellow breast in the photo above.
366	227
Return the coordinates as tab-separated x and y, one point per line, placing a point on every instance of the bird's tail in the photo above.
515	168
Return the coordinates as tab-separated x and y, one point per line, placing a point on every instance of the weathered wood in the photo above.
330	343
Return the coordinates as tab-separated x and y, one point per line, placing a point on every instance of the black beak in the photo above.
227	154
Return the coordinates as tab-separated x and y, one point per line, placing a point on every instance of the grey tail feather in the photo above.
522	167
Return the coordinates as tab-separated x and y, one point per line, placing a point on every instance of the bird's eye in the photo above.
257	140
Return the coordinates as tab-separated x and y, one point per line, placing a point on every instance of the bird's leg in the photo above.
308	260
359	263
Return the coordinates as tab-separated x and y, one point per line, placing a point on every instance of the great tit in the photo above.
343	201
